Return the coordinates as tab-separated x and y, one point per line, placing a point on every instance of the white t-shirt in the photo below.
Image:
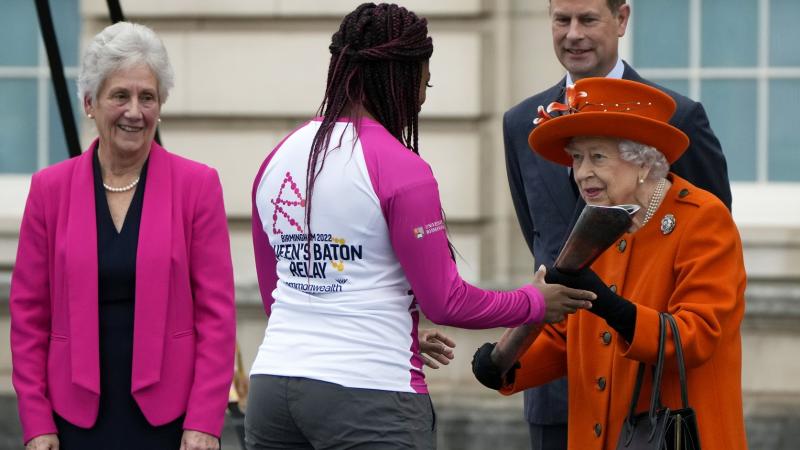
341	305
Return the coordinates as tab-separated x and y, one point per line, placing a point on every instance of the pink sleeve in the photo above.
211	272
419	238
265	255
30	319
266	264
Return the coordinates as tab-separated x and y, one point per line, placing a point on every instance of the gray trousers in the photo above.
548	437
300	413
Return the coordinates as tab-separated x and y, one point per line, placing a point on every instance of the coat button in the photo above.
621	246
598	429
606	338
601	383
613	288
683	193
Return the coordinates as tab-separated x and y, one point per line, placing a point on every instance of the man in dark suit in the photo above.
585	38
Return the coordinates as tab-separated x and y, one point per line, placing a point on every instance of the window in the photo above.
31	136
741	58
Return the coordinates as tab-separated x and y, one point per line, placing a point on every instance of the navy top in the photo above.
116	291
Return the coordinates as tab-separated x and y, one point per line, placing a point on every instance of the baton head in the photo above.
597	228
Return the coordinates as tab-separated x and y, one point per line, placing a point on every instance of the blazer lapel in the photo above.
81	275
153	274
555	175
630	74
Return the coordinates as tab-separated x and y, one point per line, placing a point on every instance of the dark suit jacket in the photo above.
547	204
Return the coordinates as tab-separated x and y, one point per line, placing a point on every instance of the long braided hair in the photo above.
377	57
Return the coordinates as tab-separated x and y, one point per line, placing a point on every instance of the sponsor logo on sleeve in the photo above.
433	227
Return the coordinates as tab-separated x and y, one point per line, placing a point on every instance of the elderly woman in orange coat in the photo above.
683	255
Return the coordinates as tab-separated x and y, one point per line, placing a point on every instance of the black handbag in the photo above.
661	428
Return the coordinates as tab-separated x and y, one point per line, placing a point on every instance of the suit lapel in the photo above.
153	274
630	74
555	175
81	275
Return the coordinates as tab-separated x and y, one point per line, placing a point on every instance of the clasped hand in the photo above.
586	280
560	298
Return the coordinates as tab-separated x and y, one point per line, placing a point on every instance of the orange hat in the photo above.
612	108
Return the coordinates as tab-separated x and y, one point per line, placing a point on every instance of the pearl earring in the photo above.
159	120
90	116
641	180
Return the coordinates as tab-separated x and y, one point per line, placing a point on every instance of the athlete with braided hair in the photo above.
350	245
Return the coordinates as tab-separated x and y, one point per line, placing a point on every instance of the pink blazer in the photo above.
184	319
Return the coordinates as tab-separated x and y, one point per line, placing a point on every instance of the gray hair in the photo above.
121	46
644	155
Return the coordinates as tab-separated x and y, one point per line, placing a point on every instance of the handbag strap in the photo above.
637	388
676	338
655	395
655	398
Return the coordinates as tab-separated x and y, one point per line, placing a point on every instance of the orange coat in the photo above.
696	272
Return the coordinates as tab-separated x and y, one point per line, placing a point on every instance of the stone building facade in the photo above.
249	71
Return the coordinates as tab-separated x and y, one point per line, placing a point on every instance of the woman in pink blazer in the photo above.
122	313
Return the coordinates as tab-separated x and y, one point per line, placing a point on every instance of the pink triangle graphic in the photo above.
279	202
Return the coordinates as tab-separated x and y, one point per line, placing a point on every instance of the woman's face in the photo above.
601	175
425	79
126	110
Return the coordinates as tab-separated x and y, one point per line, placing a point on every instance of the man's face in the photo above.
586	34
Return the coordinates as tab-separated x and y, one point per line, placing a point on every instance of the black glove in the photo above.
487	373
587	280
617	311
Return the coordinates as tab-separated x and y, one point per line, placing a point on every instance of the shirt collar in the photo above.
616	72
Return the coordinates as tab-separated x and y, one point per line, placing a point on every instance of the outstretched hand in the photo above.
587	280
560	300
436	345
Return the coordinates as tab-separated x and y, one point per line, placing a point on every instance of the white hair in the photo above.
644	155
121	46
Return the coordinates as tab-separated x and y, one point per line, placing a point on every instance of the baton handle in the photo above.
513	344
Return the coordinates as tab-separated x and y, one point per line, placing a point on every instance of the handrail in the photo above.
57	75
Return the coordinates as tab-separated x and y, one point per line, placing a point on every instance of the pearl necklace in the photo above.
655	200
123	188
